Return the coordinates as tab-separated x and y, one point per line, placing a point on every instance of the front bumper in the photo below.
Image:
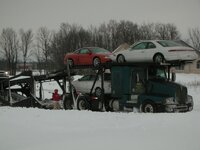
179	108
171	106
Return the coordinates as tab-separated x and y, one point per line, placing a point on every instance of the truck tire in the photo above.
149	107
115	105
82	103
68	103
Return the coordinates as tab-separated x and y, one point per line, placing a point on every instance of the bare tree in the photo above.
25	45
112	29
166	31
103	36
10	45
147	31
39	58
127	32
94	35
194	35
43	44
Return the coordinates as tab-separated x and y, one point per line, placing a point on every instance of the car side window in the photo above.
151	45
84	51
139	46
85	78
76	52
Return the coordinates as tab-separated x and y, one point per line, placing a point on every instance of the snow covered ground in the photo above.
38	129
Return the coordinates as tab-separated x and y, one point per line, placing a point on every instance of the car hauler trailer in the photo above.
20	90
149	87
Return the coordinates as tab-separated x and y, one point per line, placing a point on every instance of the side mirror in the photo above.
173	76
137	78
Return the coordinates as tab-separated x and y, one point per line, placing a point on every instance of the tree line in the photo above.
47	48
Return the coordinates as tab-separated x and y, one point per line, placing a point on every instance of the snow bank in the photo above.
31	129
38	129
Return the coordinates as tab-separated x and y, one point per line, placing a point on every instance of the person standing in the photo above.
56	99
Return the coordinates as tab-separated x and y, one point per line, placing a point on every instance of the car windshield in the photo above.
100	51
166	43
133	45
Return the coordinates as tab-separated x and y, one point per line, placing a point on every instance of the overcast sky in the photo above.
33	14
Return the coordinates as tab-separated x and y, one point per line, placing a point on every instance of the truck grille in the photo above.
181	94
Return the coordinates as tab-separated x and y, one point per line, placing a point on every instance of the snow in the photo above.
39	129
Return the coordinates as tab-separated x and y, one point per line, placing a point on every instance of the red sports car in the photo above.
88	56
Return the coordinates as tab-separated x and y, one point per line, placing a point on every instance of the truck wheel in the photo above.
115	105
82	103
68	103
149	107
100	106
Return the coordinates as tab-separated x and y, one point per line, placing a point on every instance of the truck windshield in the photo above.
157	73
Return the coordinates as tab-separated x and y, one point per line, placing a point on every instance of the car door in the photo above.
84	56
150	51
143	51
137	52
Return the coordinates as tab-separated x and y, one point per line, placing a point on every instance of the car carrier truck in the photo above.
147	87
150	88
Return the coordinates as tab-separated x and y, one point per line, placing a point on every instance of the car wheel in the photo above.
98	92
82	103
96	62
149	107
71	63
158	58
121	59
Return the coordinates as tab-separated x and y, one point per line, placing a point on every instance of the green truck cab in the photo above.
149	88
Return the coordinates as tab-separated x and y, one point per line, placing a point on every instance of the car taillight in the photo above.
94	98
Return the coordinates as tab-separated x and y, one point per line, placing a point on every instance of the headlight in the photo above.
169	100
106	57
189	99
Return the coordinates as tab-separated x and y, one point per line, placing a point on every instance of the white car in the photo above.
84	84
155	51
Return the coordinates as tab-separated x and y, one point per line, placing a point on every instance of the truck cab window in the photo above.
157	73
137	83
